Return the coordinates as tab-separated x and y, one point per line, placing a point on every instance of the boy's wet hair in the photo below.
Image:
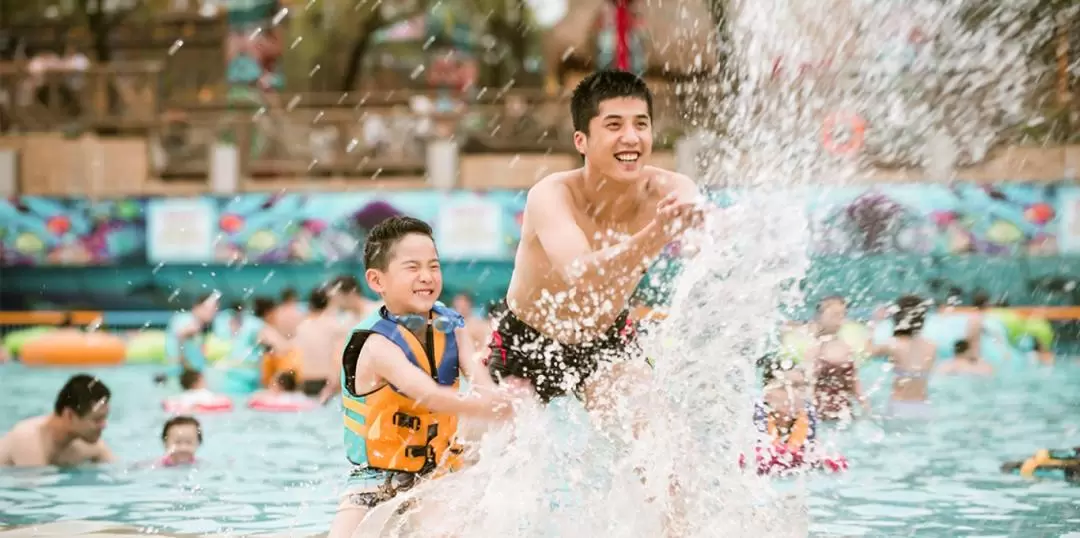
318	300
961	347
909	315
344	284
381	240
262	306
189	378
286	381
181	420
82	394
600	86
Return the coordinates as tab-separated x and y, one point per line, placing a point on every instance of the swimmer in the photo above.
288	314
588	236
477	327
785	414
912	357
836	378
227	323
186	332
347	299
182	436
391	376
256	339
966	362
284	384
70	436
981	301
319	340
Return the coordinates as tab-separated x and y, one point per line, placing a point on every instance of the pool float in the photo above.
282	403
796	342
15	340
1048	464
197	401
70	347
147	347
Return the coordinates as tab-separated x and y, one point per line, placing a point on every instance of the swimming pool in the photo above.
273	473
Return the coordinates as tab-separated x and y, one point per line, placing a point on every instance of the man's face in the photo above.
89	428
412	281
619	141
463	305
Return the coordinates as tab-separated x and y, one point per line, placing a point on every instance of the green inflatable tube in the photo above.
147	347
14	341
1041	330
1017	328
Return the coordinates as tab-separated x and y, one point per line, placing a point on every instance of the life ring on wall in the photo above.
854	122
282	404
68	347
212	404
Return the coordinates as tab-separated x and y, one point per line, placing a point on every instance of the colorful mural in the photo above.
46	231
962	218
332	227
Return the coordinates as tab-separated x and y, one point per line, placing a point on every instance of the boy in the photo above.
587	238
400	372
182	436
70	435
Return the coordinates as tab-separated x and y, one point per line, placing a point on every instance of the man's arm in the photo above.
389	363
102	454
470	361
548	210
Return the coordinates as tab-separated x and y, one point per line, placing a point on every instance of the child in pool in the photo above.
966	362
284	387
182	436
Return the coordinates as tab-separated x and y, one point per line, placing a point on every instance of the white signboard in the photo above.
180	230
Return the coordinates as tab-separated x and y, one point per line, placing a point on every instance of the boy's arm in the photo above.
548	210
470	361
390	364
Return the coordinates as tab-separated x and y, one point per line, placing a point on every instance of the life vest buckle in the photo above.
404	420
416	451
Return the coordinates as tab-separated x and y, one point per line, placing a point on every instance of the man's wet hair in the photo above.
286	381
181	420
381	240
262	306
601	86
981	299
961	347
343	284
318	300
82	394
189	378
289	295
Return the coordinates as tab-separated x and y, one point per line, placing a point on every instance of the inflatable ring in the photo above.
147	347
180	405
281	404
15	340
74	348
853	122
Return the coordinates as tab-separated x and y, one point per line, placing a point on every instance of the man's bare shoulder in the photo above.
663	182
557	183
26	429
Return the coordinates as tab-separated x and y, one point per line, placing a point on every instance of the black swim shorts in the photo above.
518	350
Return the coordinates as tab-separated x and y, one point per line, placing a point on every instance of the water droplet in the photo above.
314	70
176	46
280	16
352	145
416	72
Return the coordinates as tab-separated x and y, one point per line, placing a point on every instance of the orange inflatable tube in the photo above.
274	363
74	348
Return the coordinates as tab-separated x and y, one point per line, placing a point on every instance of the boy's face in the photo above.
182	442
412	281
620	138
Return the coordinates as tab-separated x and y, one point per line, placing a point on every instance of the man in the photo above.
70	436
476	327
588	235
347	299
319	340
288	314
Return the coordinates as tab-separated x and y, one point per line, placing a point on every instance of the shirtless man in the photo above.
70	436
588	236
477	327
319	340
347	299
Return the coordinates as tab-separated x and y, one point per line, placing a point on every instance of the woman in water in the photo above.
254	340
836	380
912	357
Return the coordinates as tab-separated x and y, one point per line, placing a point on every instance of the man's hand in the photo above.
673	217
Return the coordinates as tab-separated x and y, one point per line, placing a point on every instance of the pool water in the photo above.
272	473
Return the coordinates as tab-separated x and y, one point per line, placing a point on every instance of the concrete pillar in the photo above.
442	164
224	168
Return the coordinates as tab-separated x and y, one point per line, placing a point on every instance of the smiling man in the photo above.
588	235
70	435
